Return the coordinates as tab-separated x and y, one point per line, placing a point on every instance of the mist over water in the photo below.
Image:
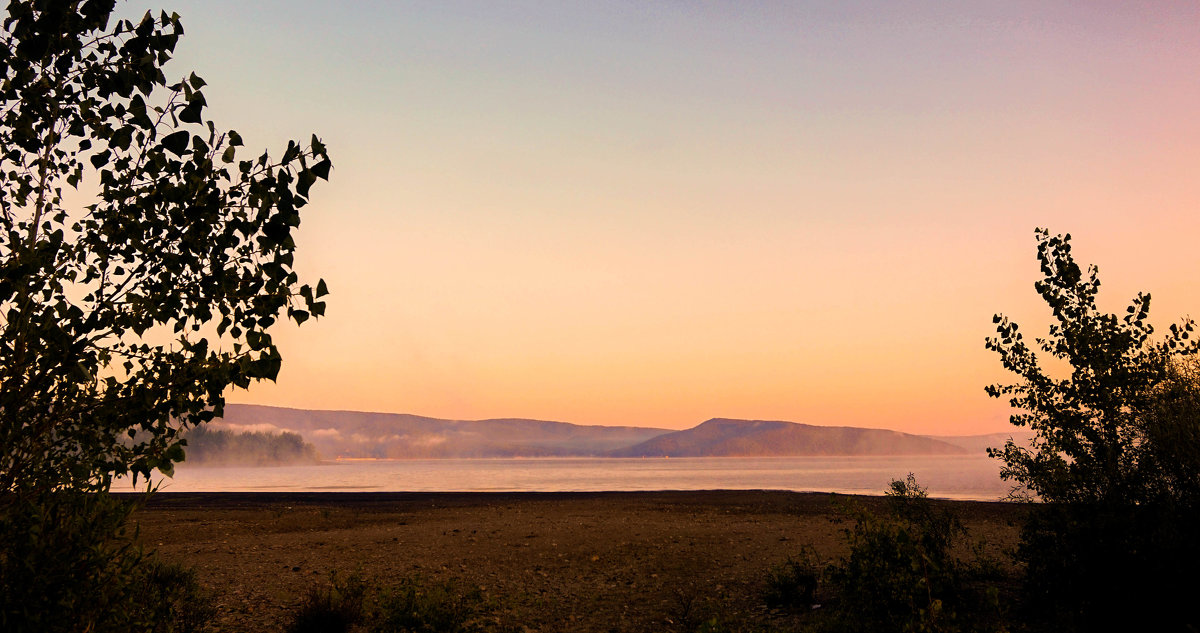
950	477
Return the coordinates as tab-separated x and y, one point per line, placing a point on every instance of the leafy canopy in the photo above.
125	319
1112	430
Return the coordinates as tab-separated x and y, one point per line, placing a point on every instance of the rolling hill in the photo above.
404	436
357	434
721	437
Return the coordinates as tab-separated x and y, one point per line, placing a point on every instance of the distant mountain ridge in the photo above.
722	437
405	436
358	434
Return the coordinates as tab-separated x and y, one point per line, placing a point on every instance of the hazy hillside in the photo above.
403	436
980	443
734	438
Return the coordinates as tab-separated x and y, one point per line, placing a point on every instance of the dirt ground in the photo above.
629	561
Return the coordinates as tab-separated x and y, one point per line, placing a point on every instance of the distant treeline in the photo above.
222	447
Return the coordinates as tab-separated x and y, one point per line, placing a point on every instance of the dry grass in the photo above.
550	562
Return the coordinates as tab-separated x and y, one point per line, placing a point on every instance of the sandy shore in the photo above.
628	561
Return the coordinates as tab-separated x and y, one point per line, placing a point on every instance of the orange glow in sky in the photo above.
655	216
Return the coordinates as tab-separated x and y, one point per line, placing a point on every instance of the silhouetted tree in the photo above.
123	320
128	318
1115	454
223	447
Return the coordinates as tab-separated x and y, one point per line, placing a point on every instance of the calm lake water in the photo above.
955	477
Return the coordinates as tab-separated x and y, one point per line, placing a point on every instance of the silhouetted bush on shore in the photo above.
67	563
908	570
414	605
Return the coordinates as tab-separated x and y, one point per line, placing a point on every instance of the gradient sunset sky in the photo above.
657	213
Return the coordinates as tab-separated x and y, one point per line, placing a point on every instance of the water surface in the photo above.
951	477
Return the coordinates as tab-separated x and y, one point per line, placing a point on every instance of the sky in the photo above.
655	213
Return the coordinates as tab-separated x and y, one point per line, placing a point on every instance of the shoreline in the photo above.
368	498
549	561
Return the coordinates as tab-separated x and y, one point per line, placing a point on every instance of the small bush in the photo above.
792	584
412	606
331	609
418	607
901	574
64	565
1092	568
68	563
171	599
697	610
713	625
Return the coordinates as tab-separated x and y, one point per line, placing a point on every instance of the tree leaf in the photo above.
177	142
321	169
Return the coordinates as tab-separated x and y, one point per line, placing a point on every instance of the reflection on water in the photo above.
954	477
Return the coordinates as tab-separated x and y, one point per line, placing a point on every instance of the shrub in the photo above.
173	602
1097	567
713	625
415	606
60	567
412	606
792	584
67	564
901	574
331	609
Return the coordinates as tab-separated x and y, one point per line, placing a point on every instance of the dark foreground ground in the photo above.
628	561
